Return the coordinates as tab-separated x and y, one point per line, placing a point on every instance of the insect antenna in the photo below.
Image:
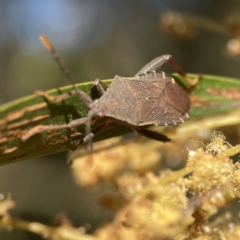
86	99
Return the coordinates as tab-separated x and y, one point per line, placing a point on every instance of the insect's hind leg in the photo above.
155	64
150	134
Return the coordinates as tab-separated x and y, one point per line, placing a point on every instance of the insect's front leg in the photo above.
98	88
57	98
97	84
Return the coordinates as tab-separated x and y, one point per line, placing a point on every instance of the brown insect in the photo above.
147	98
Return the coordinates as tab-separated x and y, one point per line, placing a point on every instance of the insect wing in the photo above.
176	97
160	101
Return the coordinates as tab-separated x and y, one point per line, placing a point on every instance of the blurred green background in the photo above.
96	39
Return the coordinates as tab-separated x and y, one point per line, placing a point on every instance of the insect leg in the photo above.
97	85
155	64
57	98
88	138
150	134
43	128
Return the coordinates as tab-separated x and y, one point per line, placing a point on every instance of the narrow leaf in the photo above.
212	95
